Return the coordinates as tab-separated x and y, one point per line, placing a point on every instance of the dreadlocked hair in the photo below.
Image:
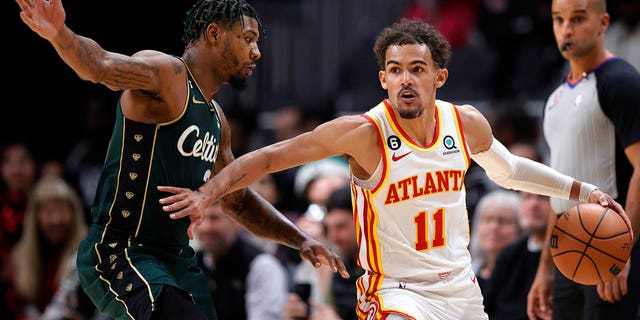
205	12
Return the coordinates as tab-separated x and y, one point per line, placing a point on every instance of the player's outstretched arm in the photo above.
90	61
255	214
348	135
513	172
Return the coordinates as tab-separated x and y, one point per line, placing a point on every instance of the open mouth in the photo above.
406	95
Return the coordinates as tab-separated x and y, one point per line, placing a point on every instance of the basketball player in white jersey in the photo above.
408	157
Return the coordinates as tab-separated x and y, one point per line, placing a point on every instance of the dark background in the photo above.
317	55
44	98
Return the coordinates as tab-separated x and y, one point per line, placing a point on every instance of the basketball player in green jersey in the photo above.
136	262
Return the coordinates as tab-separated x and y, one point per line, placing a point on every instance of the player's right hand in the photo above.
184	202
606	200
44	17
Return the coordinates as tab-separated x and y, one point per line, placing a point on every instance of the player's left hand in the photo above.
612	291
184	202
318	254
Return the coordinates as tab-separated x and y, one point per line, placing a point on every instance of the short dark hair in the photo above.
411	31
340	199
205	12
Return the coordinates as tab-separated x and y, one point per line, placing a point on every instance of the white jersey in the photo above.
414	204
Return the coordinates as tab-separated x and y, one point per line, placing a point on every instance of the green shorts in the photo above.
124	279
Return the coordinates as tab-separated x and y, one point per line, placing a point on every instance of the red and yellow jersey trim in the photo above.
383	153
460	130
405	137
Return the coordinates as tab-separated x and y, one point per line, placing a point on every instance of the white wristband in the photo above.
585	191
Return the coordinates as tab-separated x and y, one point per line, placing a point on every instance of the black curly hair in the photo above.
205	12
408	31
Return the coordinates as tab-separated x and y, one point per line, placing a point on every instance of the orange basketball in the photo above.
590	244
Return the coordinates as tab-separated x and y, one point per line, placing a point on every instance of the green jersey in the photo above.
133	248
142	156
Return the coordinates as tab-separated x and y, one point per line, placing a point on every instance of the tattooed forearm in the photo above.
91	62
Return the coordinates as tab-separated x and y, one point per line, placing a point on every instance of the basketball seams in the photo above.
589	257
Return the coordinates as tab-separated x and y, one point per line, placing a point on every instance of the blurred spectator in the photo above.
506	291
52	168
455	19
512	123
304	274
518	34
245	282
70	302
19	172
243	125
85	159
495	226
341	231
623	34
340	300
315	181
54	226
283	123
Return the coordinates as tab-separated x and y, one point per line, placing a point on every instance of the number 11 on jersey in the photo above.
422	230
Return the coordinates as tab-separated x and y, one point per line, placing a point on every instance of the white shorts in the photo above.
456	297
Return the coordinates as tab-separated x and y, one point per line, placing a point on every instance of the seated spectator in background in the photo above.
245	281
315	181
302	274
341	231
314	184
505	294
70	302
494	227
340	301
19	171
84	161
54	226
